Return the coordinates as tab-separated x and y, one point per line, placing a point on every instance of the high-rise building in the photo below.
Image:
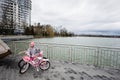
23	14
6	14
15	15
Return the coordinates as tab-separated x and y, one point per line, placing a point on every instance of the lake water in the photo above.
107	52
87	41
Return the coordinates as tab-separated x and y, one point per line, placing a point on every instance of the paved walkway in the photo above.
58	71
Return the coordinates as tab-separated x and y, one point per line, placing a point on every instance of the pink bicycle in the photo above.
37	62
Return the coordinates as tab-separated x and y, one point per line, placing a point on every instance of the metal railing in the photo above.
93	55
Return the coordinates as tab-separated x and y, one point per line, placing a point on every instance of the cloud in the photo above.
78	15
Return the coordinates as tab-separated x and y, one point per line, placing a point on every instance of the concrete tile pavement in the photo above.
59	71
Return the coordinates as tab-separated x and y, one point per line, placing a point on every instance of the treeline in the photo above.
47	31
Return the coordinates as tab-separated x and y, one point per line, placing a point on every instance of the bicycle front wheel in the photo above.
24	67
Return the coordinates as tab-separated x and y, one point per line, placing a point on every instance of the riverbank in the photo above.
59	70
15	37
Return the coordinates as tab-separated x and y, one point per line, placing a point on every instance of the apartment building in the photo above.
15	15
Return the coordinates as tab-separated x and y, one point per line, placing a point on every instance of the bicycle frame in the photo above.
37	59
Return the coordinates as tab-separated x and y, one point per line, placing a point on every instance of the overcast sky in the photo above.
78	15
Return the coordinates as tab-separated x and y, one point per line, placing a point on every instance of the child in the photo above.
32	51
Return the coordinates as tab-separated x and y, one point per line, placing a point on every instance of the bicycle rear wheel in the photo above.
45	65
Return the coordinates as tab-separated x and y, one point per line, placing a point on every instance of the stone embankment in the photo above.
15	38
4	49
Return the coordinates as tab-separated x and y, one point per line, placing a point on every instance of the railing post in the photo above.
15	48
70	54
117	60
47	52
97	56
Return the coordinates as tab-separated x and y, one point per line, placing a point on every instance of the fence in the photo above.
98	56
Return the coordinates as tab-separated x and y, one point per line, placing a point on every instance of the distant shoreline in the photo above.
26	37
107	36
